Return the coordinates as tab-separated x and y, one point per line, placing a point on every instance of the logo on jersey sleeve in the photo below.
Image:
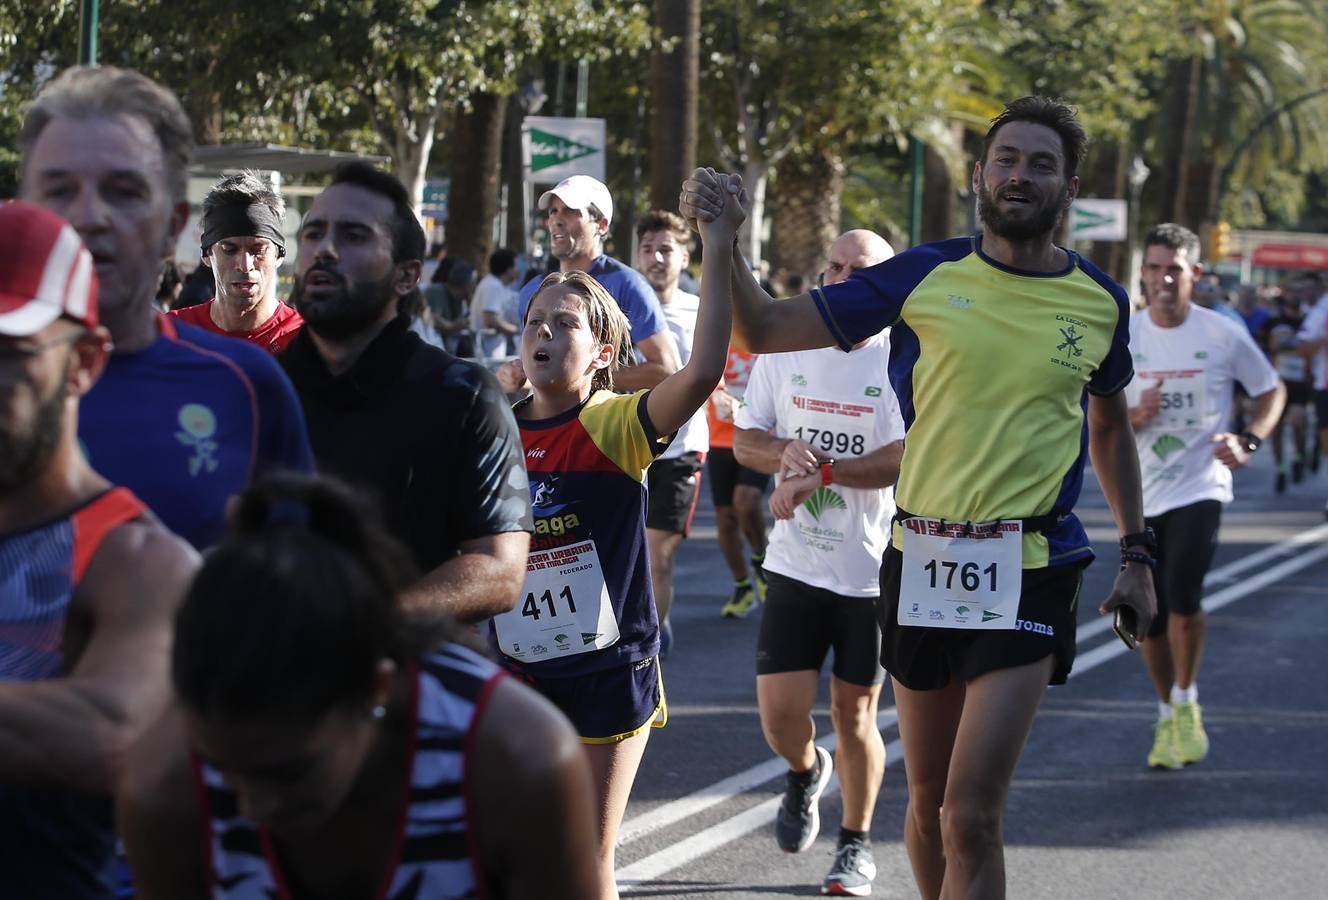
198	431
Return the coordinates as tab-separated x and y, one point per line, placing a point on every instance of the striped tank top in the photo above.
435	853
53	844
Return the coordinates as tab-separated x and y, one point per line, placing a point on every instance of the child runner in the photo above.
584	630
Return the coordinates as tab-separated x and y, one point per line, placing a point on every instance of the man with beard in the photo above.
182	417
1005	350
243	245
1189	361
89	580
430	435
580	210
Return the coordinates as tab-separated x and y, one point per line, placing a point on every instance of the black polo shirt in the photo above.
429	435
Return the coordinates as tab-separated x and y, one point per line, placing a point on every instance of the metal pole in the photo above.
88	17
916	151
582	87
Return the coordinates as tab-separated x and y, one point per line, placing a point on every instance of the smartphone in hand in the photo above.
1125	624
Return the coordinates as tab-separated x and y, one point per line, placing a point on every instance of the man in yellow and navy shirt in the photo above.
1008	356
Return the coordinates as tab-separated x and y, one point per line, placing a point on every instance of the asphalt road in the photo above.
1086	818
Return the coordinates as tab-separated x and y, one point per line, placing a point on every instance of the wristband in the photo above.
1145	539
828	472
1139	556
1250	441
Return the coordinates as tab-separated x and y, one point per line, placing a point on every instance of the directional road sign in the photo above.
554	148
1097	220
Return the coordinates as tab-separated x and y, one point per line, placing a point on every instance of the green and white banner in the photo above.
554	148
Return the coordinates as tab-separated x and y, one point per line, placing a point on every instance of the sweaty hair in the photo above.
291	613
663	220
1060	117
408	240
1177	237
501	261
83	92
608	325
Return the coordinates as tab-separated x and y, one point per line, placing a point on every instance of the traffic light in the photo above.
1219	242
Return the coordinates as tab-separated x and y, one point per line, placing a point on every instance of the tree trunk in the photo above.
476	162
755	178
938	199
518	226
409	151
1105	177
807	211
675	82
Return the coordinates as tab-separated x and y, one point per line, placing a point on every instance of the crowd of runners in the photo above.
294	604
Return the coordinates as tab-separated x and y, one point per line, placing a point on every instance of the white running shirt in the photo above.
1199	362
842	404
680	314
1314	327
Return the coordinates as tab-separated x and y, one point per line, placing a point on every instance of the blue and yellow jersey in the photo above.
587	470
992	367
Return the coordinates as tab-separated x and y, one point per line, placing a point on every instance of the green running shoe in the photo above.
1163	755
743	601
1191	739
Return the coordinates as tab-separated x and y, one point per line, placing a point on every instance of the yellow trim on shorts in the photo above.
658	719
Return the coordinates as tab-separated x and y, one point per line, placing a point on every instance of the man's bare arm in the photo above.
483	581
758	450
661	360
75	731
1116	462
760	323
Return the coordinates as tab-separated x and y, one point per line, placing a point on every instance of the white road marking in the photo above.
762	815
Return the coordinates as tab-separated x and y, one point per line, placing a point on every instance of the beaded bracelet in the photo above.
1138	556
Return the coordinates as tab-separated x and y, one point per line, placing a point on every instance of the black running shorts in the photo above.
1186	542
610	705
925	659
800	623
726	473
672	489
1299	393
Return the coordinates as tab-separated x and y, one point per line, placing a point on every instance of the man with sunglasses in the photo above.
243	244
89	580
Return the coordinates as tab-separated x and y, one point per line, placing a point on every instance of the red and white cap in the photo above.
45	271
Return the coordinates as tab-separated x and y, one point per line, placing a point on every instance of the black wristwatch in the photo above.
1145	540
1250	441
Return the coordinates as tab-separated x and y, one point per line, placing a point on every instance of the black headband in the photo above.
234	220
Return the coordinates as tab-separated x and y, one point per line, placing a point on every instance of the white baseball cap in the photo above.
580	192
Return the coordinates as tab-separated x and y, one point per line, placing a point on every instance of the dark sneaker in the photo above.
1298	471
852	873
798	820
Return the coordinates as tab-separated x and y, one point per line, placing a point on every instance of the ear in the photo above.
602	228
686	256
1071	190
604	358
91	351
977	176
1198	270
407	277
179	218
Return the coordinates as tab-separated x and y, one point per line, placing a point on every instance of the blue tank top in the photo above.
54	844
435	846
